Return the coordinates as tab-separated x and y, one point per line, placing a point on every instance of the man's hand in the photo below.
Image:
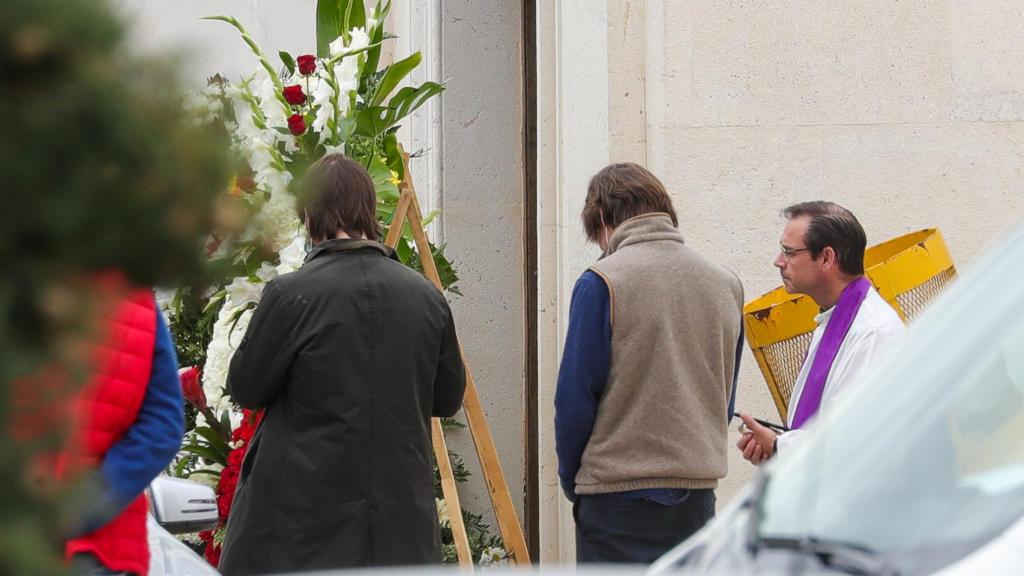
758	443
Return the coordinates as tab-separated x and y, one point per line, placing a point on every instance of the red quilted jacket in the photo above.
102	413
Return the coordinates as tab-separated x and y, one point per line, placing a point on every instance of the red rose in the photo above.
296	124
307	64
212	550
294	95
191	388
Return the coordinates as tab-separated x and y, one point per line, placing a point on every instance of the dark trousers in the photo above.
612	529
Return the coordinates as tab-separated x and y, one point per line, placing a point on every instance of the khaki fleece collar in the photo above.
643	228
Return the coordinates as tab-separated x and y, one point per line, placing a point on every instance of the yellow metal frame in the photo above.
902	264
894	267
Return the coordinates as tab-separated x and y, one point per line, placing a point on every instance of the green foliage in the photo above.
335	18
192	327
100	172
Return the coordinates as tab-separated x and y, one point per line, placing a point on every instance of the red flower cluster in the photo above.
229	480
307	64
191	388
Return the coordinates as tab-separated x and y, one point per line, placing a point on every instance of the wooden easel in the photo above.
408	208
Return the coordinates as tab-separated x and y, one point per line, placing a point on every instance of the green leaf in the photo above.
183	463
334	17
373	54
393	77
355	15
387	192
225	419
393	152
237	315
214	473
451	424
430	217
444	270
380	173
408	99
328	25
214	440
345	128
404	251
209	454
372	121
288	61
215	301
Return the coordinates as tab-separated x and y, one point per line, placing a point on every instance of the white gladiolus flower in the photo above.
360	39
273	180
260	157
322	94
241	291
332	149
293	255
338	46
275	113
267	272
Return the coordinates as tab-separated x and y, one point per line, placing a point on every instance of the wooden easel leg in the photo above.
451	495
497	487
444	464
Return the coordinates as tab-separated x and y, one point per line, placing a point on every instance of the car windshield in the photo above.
924	461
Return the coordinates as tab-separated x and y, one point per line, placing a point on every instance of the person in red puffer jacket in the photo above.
127	425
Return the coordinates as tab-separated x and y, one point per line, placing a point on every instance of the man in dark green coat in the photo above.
351	356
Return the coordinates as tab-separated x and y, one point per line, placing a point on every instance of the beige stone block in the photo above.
627	120
729	185
814	62
964	178
675	73
987	59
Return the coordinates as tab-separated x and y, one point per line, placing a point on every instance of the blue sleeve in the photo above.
155	437
736	375
582	376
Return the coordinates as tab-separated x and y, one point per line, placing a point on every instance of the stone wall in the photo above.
910	113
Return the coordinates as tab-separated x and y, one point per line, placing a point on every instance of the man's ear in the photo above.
829	259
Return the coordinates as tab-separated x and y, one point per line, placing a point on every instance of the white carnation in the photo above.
223	343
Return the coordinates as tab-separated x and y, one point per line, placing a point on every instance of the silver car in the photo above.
182	507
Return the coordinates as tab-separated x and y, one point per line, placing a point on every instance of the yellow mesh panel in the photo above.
784	360
917	299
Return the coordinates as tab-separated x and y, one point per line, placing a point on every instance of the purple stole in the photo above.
835	332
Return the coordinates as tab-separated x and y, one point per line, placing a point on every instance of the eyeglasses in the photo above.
788	253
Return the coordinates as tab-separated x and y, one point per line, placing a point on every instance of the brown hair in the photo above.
835	226
620	192
337	194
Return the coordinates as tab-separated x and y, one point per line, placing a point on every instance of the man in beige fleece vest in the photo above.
646	385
